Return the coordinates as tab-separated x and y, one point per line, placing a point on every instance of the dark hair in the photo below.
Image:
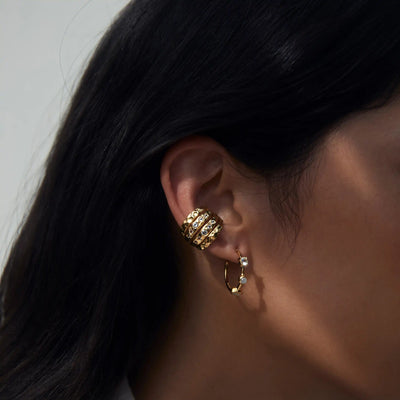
84	293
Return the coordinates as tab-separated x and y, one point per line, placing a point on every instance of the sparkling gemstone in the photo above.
195	225
212	222
244	261
204	232
243	279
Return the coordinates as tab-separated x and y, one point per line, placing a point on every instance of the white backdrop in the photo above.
43	47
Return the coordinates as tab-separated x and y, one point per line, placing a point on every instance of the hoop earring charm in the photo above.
242	279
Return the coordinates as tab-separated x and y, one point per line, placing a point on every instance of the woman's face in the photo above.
336	298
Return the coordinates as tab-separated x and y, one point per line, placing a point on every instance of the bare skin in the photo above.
319	322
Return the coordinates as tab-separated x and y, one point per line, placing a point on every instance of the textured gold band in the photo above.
242	279
201	227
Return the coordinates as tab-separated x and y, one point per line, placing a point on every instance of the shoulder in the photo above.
123	390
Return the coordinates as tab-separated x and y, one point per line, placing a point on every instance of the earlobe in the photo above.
200	229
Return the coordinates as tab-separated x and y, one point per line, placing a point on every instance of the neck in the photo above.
211	350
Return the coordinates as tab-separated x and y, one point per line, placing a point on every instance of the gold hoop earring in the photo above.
201	227
243	261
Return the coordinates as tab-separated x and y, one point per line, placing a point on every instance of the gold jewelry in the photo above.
242	279
201	227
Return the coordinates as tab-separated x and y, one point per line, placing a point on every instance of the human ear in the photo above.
198	171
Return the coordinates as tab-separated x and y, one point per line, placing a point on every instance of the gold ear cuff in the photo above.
200	228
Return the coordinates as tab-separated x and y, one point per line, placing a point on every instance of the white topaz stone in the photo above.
244	261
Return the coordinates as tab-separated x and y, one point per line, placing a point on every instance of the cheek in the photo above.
336	298
352	228
347	268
